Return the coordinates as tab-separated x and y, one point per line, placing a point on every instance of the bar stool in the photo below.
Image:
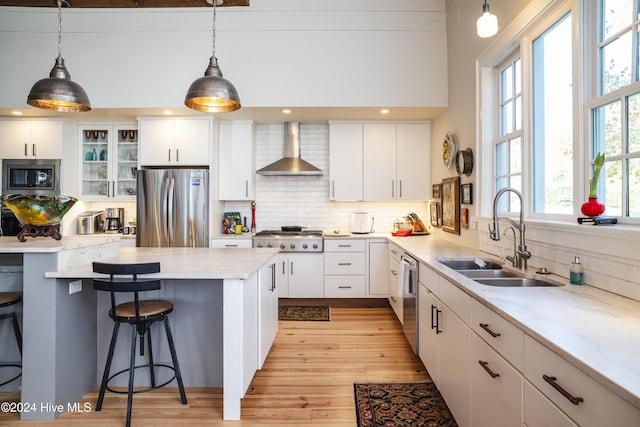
7	299
140	314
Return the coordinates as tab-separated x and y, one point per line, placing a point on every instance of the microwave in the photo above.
31	176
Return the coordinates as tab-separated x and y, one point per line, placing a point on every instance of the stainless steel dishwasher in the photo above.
409	286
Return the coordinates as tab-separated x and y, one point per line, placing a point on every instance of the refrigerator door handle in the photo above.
172	184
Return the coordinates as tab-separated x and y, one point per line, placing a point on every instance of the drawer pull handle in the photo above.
485	365
395	273
344	287
230	246
344	263
393	299
562	391
485	326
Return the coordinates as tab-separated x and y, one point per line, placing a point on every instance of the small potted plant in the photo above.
593	208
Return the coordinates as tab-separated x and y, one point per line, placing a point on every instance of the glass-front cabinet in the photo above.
108	160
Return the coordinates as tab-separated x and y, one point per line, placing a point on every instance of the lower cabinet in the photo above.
540	412
345	268
300	275
268	311
394	293
428	330
230	242
496	388
378	263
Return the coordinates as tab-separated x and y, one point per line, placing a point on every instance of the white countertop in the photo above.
183	263
597	331
11	244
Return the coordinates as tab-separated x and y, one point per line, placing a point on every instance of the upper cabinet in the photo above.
236	179
31	139
175	142
108	160
345	161
380	161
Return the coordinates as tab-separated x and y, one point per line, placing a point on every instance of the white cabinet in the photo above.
345	161
580	397
108	160
268	311
31	139
231	242
236	174
300	275
344	268
379	161
496	388
428	330
394	295
378	269
396	161
175	142
540	412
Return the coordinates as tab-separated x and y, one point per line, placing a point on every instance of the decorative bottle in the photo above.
94	155
576	273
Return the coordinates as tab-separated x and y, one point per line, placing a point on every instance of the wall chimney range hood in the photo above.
291	163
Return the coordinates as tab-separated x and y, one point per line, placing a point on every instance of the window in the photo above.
615	112
552	120
508	146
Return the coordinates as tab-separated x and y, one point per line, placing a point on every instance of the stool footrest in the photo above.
11	365
144	390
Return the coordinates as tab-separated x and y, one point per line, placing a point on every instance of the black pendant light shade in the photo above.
212	93
58	92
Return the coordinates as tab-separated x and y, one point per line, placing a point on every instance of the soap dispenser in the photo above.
576	273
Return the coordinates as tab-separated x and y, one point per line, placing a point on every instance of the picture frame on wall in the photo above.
467	194
435	191
450	199
464	217
434	210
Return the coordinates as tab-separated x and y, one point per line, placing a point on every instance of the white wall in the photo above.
317	53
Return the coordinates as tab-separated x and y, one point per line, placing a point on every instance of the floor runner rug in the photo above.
304	312
401	405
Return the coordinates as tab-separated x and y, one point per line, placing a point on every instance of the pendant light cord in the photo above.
213	37
59	28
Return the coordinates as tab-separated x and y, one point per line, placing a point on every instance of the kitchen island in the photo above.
214	291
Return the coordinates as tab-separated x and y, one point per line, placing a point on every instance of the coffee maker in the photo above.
115	219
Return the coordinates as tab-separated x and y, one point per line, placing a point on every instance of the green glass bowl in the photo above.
38	210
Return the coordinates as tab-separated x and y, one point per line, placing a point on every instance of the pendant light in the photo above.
212	93
487	24
58	92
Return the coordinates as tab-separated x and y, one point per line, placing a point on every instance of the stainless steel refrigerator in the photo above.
172	207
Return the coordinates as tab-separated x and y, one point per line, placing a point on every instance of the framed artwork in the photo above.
450	192
467	194
435	191
464	217
434	208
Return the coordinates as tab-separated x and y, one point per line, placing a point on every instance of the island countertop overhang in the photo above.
182	263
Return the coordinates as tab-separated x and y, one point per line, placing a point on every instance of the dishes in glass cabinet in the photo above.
38	210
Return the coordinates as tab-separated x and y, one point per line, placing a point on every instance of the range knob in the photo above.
269	245
282	246
315	246
305	246
292	246
259	245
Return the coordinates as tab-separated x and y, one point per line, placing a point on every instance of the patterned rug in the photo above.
401	405
304	312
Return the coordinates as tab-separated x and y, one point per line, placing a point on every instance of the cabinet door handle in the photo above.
273	276
485	365
177	155
344	246
230	246
433	323
26	153
395	273
393	189
291	269
33	149
344	263
553	382
333	189
169	157
393	251
393	299
113	189
485	326
400	182
344	287
438	330
246	188
283	267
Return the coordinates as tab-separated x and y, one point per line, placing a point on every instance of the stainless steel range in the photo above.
290	240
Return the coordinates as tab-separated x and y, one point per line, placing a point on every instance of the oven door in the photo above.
33	177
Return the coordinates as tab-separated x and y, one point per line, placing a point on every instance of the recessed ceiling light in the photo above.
384	111
16	113
167	112
286	111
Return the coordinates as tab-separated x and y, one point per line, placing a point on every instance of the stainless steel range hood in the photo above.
291	163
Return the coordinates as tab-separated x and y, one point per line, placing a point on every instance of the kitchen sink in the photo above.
515	282
489	274
470	264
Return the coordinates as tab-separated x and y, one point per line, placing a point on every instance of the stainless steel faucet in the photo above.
521	254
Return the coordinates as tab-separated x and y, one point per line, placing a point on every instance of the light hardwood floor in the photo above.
307	379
